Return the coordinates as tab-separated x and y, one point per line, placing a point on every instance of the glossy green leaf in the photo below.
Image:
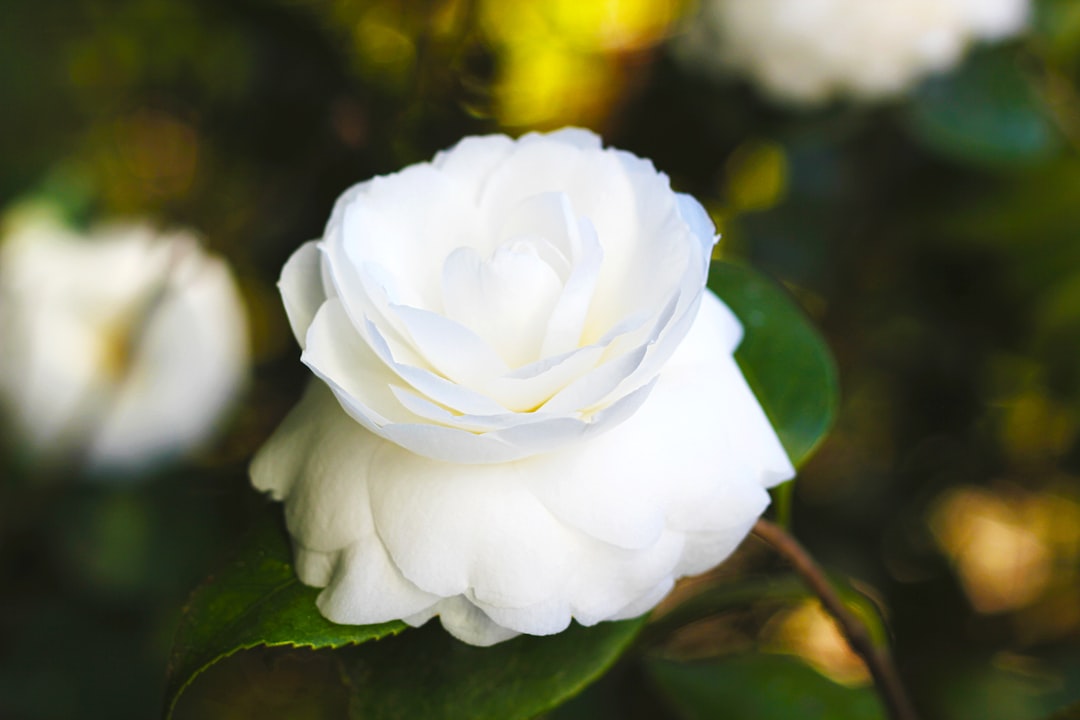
759	687
255	601
783	357
986	112
428	674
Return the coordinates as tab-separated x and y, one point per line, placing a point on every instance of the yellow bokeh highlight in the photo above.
556	62
546	87
613	24
1007	546
590	26
808	632
563	61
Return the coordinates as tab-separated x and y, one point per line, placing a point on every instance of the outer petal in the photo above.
472	160
302	288
339	355
369	588
575	136
469	624
317	461
483	532
707	351
699	436
698	220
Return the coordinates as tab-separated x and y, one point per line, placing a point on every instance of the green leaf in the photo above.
520	678
986	112
255	601
785	360
759	687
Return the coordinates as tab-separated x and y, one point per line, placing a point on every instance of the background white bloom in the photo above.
813	50
120	347
529	409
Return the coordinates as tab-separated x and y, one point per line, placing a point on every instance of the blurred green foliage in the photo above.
934	239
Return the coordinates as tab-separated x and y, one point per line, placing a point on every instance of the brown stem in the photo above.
878	660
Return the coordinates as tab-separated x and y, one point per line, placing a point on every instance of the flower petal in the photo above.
506	299
578	137
544	618
472	160
741	419
337	353
469	624
697	218
436	387
454	528
645	602
567	322
302	288
452	349
451	445
368	588
318	460
674	461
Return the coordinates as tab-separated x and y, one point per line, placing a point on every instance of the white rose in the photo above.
121	347
529	409
810	51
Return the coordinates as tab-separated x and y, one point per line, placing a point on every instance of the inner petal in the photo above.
549	215
506	299
568	317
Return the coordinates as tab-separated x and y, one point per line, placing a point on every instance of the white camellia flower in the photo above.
121	347
527	409
810	51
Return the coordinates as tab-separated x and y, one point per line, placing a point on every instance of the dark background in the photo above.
934	239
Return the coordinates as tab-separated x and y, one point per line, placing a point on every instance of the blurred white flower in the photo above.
810	51
527	408
120	348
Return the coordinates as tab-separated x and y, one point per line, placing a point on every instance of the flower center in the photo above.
506	298
530	298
